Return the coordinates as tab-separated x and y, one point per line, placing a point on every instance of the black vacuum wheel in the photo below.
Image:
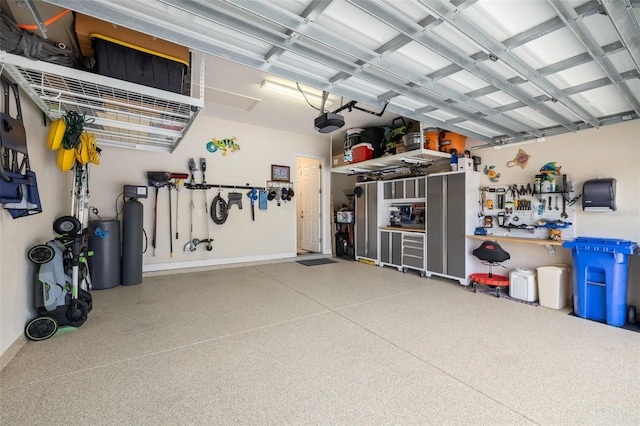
40	254
631	314
77	312
68	225
41	328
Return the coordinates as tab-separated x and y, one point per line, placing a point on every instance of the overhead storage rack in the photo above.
406	159
120	113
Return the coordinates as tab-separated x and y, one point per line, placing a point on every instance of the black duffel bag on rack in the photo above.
375	137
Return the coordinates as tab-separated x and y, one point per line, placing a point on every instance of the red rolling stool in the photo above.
491	254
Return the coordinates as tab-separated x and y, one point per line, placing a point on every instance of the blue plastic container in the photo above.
600	271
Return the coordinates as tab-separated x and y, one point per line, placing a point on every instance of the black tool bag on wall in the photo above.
18	186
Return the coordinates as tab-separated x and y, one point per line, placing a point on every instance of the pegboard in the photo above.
516	210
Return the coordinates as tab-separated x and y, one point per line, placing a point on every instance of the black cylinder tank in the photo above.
132	235
104	264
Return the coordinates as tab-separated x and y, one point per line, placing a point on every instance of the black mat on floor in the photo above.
626	326
314	262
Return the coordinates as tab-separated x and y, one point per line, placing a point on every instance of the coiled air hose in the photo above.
219	210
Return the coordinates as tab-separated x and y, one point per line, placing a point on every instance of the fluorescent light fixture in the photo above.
293	92
509	145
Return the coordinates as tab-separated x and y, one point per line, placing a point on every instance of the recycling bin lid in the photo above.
611	245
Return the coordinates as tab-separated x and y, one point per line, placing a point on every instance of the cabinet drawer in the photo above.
417	252
413	244
413	262
415	238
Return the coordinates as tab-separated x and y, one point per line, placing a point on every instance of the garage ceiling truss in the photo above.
499	72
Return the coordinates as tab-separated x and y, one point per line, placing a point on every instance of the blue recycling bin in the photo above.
600	272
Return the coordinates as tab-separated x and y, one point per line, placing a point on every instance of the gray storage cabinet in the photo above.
451	214
401	189
391	249
366	225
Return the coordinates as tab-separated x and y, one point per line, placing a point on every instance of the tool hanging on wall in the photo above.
192	183
174	183
219	209
157	180
203	168
262	203
235	198
169	185
178	183
253	196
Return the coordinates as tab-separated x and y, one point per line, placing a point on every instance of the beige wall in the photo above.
271	236
611	151
17	236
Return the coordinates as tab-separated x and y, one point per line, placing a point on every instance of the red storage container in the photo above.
362	152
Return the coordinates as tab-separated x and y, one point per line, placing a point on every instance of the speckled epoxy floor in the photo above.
343	343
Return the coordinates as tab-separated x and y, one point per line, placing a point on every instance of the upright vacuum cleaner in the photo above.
61	304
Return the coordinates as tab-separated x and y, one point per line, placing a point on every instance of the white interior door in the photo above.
298	206
309	197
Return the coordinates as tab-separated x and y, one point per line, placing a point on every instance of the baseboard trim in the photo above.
195	265
12	351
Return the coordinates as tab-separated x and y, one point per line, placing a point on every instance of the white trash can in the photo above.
554	286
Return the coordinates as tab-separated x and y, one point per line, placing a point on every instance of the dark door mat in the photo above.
314	262
626	326
492	292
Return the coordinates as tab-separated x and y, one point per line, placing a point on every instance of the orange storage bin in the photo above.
431	139
451	140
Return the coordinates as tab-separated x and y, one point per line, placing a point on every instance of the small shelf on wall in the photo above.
549	244
279	184
123	114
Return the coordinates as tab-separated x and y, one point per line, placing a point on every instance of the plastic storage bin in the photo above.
554	286
600	272
345	217
451	140
522	284
130	63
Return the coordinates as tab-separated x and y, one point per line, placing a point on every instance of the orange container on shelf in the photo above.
431	138
452	140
